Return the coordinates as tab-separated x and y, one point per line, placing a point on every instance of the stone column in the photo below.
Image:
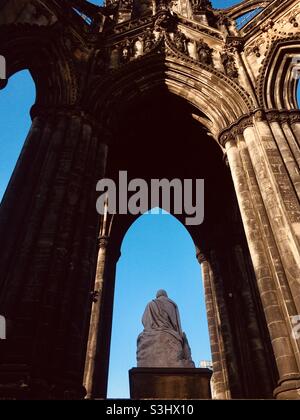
106	319
290	154
271	301
291	137
49	257
229	354
219	382
254	335
280	201
92	345
295	126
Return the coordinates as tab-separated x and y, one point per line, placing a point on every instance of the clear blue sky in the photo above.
157	251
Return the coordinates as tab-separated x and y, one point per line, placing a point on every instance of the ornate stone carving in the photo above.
200	28
259	114
295	117
273	116
272	46
148	39
132	24
87	89
126	4
225	137
127	50
200	5
102	241
180	40
228	61
204	53
234	44
266	26
291	117
235	129
165	22
222	18
162	5
256	48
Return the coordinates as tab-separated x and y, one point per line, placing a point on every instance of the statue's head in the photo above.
161	292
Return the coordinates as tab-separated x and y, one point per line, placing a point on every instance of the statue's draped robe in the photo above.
162	343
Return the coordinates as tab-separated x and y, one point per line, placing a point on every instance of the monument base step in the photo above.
170	383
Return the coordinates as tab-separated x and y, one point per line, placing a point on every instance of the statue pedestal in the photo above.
170	383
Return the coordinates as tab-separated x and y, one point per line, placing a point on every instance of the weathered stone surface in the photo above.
107	78
170	383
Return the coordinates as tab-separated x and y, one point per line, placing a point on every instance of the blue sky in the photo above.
157	251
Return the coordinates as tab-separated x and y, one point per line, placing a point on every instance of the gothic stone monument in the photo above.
162	89
165	367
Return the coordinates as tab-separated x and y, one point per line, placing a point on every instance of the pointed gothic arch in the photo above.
278	76
48	61
133	290
217	96
135	147
48	265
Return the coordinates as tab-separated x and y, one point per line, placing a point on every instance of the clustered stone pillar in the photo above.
92	345
289	151
295	125
219	382
258	202
48	229
253	337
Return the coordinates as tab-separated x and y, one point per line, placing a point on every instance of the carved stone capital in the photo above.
284	117
102	241
222	18
71	111
165	22
260	114
235	129
234	43
228	60
225	137
267	25
201	257
275	115
295	117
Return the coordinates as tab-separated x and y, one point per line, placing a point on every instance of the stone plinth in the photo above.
170	383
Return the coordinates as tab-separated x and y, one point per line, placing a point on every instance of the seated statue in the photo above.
162	343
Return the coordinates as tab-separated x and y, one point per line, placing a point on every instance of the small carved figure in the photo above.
228	62
149	40
180	41
204	53
222	19
200	5
165	22
126	50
